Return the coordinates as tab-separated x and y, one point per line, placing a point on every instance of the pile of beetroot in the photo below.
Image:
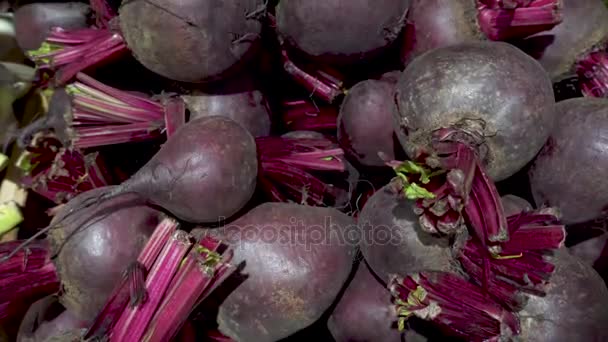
248	170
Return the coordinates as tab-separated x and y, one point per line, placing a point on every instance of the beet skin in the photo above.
93	252
296	259
570	171
496	96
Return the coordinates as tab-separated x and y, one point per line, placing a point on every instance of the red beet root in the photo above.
579	45
290	271
392	240
33	22
240	101
574	144
573	309
365	123
364	312
439	23
47	319
93	256
209	47
340	31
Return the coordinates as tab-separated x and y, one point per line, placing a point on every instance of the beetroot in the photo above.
365	124
364	312
574	308
46	319
296	259
514	205
207	157
576	140
464	126
506	107
594	252
579	45
338	31
33	22
439	23
209	48
91	258
240	101
392	240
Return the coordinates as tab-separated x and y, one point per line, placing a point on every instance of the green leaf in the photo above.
415	191
10	217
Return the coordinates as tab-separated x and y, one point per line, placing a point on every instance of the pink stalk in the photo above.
519	263
132	324
305	115
510	19
102	115
124	291
103	13
69	52
458	306
175	115
323	84
592	71
286	165
202	271
25	277
60	174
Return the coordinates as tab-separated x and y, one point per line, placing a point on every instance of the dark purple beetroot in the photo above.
240	101
514	205
584	28
33	22
498	100
205	171
191	41
392	240
594	252
92	254
574	309
365	123
570	170
364	312
46	319
339	31
296	259
434	24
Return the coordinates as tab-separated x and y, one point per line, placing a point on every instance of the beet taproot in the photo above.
33	22
338	31
295	260
191	41
492	92
365	123
96	246
568	173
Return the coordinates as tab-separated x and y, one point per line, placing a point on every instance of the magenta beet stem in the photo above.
103	13
503	20
304	115
519	263
593	74
102	115
319	83
123	293
25	277
59	174
458	306
202	271
69	52
132	324
175	115
286	165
